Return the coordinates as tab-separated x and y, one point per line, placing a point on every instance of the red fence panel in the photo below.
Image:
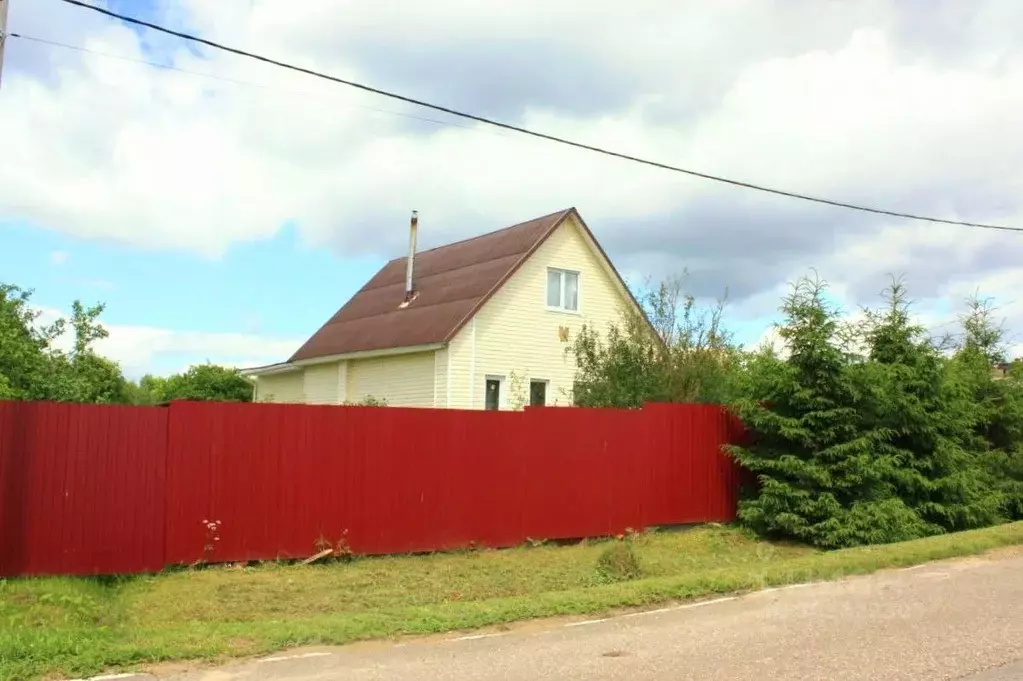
81	488
125	489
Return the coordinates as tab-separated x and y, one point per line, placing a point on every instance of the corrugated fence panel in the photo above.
82	488
14	443
86	488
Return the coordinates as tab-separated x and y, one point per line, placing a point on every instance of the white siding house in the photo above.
489	324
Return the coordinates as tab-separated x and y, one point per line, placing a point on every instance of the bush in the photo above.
618	563
670	351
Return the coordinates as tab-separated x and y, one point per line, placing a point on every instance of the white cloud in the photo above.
141	349
58	258
883	103
145	349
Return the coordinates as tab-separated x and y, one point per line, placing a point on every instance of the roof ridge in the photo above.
486	234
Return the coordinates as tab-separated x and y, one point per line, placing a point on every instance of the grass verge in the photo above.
53	627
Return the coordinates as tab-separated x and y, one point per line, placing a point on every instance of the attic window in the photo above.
562	290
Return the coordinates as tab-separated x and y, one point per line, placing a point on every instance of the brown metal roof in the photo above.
452	282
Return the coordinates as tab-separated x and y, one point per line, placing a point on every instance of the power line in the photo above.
169	67
959	319
532	133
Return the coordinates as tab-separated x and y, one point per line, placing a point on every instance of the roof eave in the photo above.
367	354
268	369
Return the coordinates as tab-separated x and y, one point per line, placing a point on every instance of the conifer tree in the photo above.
998	402
931	418
823	477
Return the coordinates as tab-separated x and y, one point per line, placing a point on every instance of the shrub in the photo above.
618	563
670	352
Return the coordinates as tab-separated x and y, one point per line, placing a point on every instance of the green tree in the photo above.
24	344
931	417
997	403
33	367
822	477
201	382
669	351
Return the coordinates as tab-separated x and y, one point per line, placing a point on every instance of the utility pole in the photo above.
3	34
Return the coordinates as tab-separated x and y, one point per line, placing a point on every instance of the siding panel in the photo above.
402	380
320	383
516	333
460	362
286	387
440	378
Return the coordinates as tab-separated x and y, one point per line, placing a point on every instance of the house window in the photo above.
492	400
537	393
562	290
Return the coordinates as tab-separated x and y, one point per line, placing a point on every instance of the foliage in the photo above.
997	404
34	367
814	451
24	344
931	417
38	363
201	382
668	351
518	390
618	562
867	433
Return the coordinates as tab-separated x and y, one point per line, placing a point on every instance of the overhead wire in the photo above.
533	133
170	67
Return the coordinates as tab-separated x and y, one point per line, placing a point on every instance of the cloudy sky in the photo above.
223	208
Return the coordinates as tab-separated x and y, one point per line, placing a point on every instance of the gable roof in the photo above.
452	283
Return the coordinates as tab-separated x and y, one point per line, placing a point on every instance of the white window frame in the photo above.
578	290
502	391
546	391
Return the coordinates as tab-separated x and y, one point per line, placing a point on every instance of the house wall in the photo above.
516	332
460	368
342	382
320	383
402	380
285	387
440	378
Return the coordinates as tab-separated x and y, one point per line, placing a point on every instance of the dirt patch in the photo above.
240	644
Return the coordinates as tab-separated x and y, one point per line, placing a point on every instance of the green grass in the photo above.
76	627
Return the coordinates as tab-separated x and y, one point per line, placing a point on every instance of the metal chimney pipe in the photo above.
413	229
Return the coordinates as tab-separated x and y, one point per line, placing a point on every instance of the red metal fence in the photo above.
90	489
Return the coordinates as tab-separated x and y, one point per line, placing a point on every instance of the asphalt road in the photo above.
952	620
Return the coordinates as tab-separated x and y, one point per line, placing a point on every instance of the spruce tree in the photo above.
998	402
823	477
931	419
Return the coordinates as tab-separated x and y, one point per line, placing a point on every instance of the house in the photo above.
485	323
1001	370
